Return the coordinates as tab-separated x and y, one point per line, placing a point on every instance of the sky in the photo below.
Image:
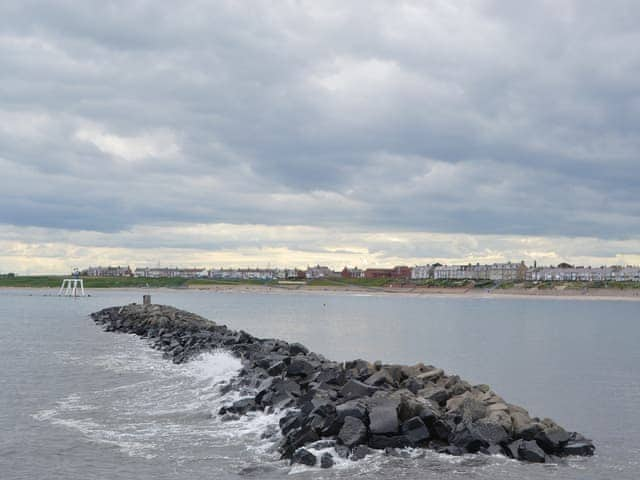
289	133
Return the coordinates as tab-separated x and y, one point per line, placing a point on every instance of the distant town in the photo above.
497	272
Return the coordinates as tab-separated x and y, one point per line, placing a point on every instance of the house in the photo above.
318	272
398	272
352	272
107	272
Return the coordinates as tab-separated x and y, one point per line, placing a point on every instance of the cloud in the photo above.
474	118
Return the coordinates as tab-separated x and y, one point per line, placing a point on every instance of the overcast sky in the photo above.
295	132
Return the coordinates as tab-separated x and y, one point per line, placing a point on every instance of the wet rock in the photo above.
304	457
385	406
359	452
380	442
553	439
582	448
415	430
326	460
353	432
530	451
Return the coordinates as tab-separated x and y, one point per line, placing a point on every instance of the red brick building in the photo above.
399	272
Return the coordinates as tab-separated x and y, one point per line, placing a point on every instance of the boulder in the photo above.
430	375
529	451
300	367
380	378
582	448
352	408
552	439
297	349
353	432
326	460
359	452
357	389
383	419
415	430
304	457
380	442
435	393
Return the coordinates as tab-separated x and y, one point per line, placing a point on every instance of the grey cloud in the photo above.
334	115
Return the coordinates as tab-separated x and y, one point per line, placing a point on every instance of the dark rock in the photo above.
277	368
583	448
415	430
326	460
352	408
385	406
240	407
531	452
381	442
512	448
331	376
383	419
551	440
357	389
435	393
353	432
451	450
297	349
359	452
380	378
304	457
300	367
342	451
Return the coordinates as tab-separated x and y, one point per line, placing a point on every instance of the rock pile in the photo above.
353	406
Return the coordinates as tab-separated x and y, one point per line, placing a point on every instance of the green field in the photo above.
113	282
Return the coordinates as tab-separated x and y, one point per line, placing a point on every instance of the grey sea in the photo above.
80	403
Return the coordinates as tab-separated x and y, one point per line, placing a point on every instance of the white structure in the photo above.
71	286
422	272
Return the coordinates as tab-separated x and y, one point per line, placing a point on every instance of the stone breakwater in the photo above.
353	406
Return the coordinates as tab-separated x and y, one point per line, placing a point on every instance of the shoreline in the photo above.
474	293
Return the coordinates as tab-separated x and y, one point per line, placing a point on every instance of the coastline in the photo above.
451	292
590	294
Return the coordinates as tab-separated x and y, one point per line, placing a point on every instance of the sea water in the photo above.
80	403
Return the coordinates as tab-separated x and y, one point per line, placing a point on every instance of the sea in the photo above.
80	403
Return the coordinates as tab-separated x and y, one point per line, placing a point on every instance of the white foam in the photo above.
216	367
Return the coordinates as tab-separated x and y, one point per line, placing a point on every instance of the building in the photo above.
398	272
352	273
615	273
497	272
107	272
422	272
165	272
319	272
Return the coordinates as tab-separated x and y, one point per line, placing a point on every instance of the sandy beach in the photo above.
560	293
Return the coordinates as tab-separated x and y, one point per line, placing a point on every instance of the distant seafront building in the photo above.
497	271
107	272
354	272
584	274
319	272
401	272
166	272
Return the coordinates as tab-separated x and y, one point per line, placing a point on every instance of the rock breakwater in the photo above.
354	406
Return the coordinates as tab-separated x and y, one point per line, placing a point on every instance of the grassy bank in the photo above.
52	281
113	282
